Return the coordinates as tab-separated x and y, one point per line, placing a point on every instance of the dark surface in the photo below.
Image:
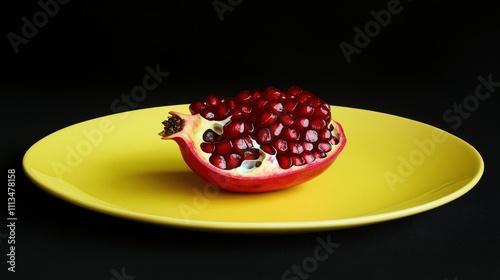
427	59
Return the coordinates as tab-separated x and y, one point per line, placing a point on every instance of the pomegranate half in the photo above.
257	141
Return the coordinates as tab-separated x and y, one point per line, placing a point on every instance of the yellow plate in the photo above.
391	167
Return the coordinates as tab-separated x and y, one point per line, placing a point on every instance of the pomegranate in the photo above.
257	141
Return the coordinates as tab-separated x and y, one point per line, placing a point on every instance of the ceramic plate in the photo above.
391	167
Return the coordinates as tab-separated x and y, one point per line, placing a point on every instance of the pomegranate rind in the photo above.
265	178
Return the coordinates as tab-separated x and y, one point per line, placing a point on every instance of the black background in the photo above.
423	62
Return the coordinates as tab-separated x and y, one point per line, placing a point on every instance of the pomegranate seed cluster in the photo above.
293	125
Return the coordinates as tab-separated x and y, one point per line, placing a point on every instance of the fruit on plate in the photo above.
257	141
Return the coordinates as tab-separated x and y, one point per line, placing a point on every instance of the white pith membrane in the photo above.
265	164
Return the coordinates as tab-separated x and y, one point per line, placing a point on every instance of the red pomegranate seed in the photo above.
233	161
324	147
249	128
325	135
242	143
223	147
235	111
251	154
196	107
221	111
210	136
267	148
308	157
233	128
303	96
276	128
207	147
294	90
322	111
289	106
267	117
264	136
301	123
256	94
275	105
218	161
284	161
308	146
246	110
280	145
291	134
298	160
314	101
212	100
305	110
260	103
318	124
319	154
311	136
287	120
244	97
231	103
272	93
207	114
295	148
